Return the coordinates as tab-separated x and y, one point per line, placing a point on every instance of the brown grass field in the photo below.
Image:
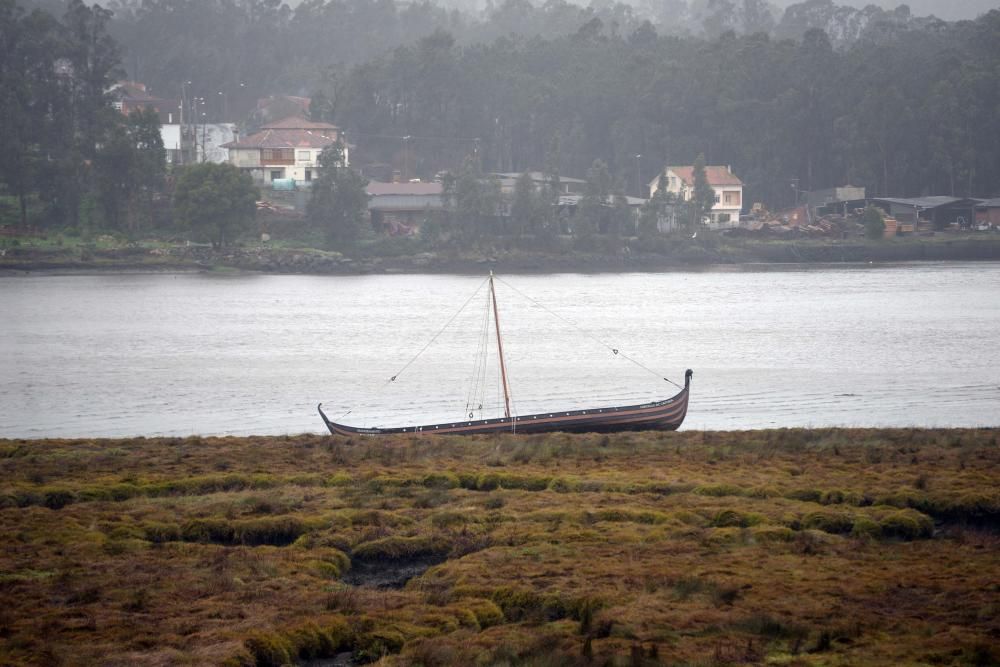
785	547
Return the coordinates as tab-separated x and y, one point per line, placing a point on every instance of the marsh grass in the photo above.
863	547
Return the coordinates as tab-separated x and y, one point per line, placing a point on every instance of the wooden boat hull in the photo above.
666	415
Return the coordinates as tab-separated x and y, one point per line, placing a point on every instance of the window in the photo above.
277	173
717	198
277	155
304	156
732	199
309	175
723	217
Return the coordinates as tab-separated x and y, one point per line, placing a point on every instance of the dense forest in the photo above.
815	96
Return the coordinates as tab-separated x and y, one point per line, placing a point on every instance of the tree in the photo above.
339	202
703	197
130	166
524	209
217	201
473	200
592	215
874	223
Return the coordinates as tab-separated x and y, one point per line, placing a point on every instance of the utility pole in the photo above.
406	158
638	175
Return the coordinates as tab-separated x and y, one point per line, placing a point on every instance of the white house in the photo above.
728	191
285	149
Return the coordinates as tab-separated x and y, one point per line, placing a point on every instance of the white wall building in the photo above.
728	191
285	149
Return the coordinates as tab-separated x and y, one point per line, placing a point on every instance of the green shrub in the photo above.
488	482
773	534
718	490
487	612
450	519
828	522
162	532
340	479
563	485
275	531
832	497
865	528
907	525
377	644
468	480
766	625
518	604
56	499
269	649
734	519
524	482
441	480
396	548
805	495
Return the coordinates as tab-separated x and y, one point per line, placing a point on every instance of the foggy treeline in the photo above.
817	94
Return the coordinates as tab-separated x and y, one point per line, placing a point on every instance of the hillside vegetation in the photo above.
798	547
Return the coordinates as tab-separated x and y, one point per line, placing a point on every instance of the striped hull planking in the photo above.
664	415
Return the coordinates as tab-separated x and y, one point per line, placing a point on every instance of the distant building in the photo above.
277	107
938	211
835	200
130	96
287	150
728	191
988	213
567	185
399	208
210	140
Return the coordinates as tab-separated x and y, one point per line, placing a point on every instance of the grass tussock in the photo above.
787	546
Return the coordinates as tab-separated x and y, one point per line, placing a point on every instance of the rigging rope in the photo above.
477	394
435	337
617	352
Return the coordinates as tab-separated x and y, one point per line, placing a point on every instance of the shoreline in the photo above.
685	257
763	431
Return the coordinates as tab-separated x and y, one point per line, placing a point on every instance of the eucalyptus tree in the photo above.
215	201
338	204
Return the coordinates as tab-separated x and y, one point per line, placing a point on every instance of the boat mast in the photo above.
503	368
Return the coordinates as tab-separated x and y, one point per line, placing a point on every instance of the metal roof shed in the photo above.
938	210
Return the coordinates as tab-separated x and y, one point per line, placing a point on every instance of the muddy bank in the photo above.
387	573
684	255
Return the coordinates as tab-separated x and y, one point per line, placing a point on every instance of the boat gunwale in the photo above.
596	415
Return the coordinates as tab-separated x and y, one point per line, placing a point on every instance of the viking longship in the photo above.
660	415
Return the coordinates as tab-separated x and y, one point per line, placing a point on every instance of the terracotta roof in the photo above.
716	175
285	139
297	123
375	188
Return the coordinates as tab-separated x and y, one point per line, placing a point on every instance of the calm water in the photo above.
117	355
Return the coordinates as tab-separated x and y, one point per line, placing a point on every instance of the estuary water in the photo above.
125	354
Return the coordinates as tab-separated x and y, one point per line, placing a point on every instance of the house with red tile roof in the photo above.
728	191
285	149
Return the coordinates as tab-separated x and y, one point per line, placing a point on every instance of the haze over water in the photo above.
123	355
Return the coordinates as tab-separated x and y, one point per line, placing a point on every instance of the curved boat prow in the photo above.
329	424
